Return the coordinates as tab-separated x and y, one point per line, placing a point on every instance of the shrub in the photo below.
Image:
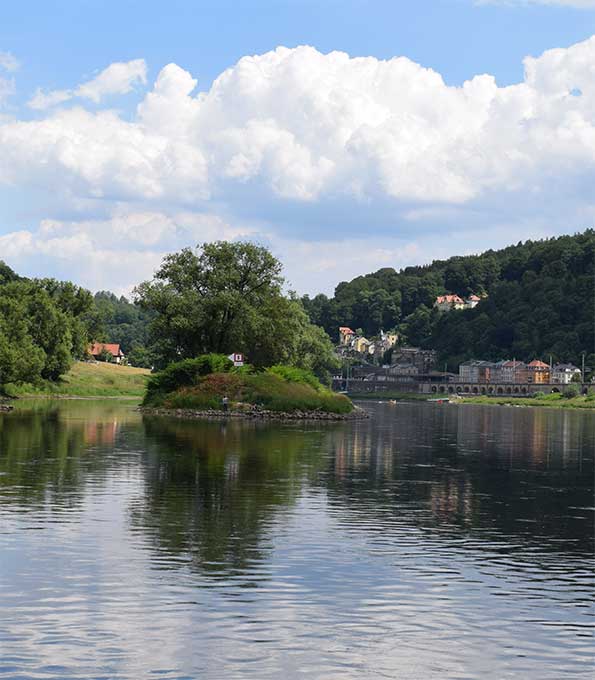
196	384
570	392
185	374
296	375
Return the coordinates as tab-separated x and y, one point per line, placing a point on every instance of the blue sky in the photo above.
340	166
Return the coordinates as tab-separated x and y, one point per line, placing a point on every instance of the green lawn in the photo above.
550	400
89	380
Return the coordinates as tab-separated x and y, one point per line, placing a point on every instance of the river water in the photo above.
432	541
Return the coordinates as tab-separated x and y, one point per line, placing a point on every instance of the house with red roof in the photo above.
451	301
99	349
538	372
346	335
447	302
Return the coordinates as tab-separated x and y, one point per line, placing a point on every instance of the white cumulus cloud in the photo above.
299	146
117	78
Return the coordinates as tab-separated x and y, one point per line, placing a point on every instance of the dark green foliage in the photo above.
540	302
6	274
570	392
227	297
105	356
296	375
185	373
40	330
116	319
202	382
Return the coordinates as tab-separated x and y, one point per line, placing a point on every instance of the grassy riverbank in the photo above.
88	380
201	384
549	400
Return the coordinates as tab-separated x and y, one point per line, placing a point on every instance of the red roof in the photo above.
112	347
538	364
345	329
475	298
452	299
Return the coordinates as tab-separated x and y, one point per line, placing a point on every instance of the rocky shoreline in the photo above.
256	414
6	408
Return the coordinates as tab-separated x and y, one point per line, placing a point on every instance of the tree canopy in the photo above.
227	297
41	328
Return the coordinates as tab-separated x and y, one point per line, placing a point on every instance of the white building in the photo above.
563	374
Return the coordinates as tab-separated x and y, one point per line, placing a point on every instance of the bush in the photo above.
296	375
570	392
185	373
272	392
202	383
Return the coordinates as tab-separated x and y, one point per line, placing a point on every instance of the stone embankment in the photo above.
256	414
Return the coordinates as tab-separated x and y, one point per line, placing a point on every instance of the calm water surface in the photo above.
429	542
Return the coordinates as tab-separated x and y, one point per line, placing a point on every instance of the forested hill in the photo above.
540	301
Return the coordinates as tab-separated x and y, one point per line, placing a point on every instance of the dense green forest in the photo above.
540	301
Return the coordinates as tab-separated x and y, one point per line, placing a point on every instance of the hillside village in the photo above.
409	367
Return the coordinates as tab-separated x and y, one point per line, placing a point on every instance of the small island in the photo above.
210	386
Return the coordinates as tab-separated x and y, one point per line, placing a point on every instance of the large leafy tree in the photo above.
37	338
227	297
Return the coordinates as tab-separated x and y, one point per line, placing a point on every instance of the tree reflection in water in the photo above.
211	493
213	490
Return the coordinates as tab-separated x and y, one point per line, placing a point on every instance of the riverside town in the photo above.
415	370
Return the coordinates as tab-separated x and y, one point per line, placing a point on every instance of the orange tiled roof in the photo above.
538	364
453	299
112	347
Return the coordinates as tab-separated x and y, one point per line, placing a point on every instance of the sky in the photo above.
346	135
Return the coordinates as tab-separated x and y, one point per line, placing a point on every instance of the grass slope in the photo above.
88	380
267	390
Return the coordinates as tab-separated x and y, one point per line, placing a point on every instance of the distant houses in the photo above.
352	343
414	365
535	372
100	351
446	303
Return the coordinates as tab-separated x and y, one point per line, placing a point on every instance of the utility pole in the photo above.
583	369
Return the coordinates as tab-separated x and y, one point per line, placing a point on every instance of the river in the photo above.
431	541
